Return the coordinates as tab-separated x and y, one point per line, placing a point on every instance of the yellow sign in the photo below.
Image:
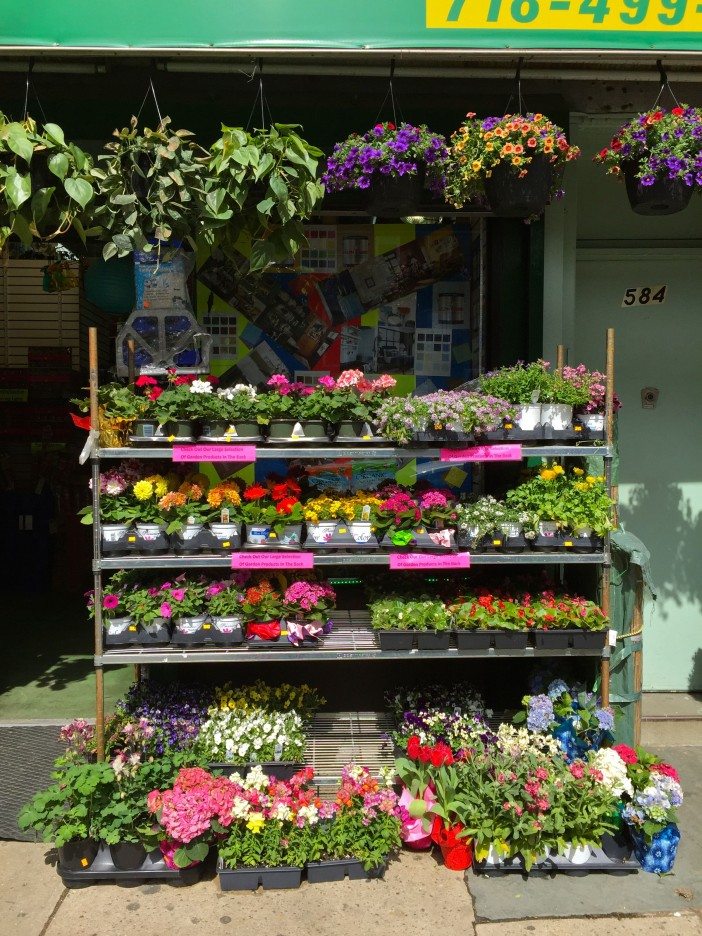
660	16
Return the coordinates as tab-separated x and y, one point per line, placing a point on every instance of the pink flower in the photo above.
327	382
278	381
542	773
349	378
577	770
384	382
178	594
110	602
165	610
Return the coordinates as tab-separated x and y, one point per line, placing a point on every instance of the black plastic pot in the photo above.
147	430
664	197
512	197
219	430
315	429
433	640
618	846
280	429
281	770
390	197
395	639
473	639
128	856
510	640
183	429
78	855
251	878
569	639
323	872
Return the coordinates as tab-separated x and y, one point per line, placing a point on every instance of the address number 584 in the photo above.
644	295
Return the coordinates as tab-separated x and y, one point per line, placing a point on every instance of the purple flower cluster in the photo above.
540	715
174	711
387	150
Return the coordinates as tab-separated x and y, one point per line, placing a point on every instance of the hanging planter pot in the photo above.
513	197
662	197
392	197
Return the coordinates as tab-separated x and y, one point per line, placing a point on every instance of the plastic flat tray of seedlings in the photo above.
154	868
554	864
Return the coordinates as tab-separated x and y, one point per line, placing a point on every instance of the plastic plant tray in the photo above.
153	869
598	861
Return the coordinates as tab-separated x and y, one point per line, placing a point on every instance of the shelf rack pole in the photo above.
97	576
609	437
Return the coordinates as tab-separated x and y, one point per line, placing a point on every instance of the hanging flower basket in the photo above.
393	197
658	154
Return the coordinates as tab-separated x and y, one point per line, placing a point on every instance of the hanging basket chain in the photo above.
664	85
151	90
517	90
390	93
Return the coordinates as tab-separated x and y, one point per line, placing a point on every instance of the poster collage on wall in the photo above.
383	298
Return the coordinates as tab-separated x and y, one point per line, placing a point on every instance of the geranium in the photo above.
658	144
387	150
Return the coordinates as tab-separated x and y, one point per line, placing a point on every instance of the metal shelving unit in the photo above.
353	639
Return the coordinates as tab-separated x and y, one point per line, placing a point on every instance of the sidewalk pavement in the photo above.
417	898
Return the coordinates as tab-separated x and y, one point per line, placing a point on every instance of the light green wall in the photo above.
595	248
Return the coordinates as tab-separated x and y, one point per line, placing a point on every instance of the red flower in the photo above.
212	379
678	111
184	379
441	754
413	746
616	145
603	152
627	754
145	381
286	505
154	393
255	492
424	754
667	771
279	491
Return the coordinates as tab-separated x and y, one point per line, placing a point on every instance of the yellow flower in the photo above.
160	484
581	486
590	479
558	469
578	471
143	490
548	474
489	146
475	165
600	478
255	823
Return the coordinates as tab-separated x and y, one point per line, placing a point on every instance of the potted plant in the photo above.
454	715
121	410
261	184
414	771
273	515
587	811
279	408
262	608
119	626
224	600
224	501
585	509
651	812
349	404
145	496
400	419
392	625
360	831
490	620
267	843
330	518
543	497
448	829
46	182
149	185
393	164
306	609
229	415
415	521
186	598
66	812
562	621
657	154
117	509
522	385
592	413
174	407
185	512
194	812
253	736
516	162
151	611
427	617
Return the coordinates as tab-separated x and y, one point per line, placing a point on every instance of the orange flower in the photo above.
531	142
507	149
518	149
517	161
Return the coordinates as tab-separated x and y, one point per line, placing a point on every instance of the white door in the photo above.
658	345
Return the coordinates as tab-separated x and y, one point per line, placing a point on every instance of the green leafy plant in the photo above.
490	612
150	184
398	614
68	810
224	599
261	186
117	401
45	182
522	383
571	499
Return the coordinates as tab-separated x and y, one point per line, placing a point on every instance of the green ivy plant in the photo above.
151	184
262	185
45	183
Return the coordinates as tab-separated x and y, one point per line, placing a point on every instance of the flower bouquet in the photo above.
393	164
515	162
273	514
658	154
651	812
306	606
262	607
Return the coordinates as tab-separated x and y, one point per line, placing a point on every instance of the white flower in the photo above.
282	812
613	769
258	744
309	813
240	808
201	386
243	750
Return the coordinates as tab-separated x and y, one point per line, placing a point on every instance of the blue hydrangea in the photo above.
540	715
557	688
605	719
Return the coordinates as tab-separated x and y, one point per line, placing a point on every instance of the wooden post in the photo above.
560	358
604	662
97	578
131	367
637	622
93	378
100	712
609	388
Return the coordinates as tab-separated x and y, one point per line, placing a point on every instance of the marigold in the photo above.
143	490
558	469
548	474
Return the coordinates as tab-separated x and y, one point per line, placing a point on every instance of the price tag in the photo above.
214	453
272	560
409	562
481	453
